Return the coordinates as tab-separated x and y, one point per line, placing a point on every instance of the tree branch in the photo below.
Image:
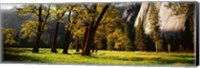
70	14
62	14
34	11
101	15
46	17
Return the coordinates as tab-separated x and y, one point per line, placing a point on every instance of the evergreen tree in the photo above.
154	19
140	37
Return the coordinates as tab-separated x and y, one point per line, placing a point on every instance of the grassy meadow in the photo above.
104	57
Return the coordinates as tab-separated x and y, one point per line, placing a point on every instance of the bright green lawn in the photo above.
102	57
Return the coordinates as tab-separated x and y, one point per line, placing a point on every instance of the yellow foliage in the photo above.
119	38
29	29
8	36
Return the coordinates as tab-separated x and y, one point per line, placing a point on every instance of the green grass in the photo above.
102	57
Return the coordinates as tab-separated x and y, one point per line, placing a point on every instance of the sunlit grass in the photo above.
102	57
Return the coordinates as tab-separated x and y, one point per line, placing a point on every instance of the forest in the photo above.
146	33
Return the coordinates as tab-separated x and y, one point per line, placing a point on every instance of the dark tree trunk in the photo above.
86	46
85	37
91	32
77	45
67	35
93	46
66	42
54	42
37	41
96	49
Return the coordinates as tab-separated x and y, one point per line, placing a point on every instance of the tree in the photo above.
77	29
59	16
140	37
8	34
72	20
129	32
91	29
29	29
118	40
36	11
78	37
109	23
110	41
154	18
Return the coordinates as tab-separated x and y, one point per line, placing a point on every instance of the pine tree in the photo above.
140	37
154	19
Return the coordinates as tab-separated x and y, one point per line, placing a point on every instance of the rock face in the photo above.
143	15
130	12
11	19
173	28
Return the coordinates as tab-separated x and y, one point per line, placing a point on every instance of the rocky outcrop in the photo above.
130	12
173	27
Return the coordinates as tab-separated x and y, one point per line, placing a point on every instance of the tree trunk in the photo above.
96	49
86	46
54	42
156	45
37	41
77	45
66	42
92	46
84	39
91	32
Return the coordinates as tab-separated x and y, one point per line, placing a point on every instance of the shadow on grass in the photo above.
181	56
12	55
17	50
18	58
23	50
